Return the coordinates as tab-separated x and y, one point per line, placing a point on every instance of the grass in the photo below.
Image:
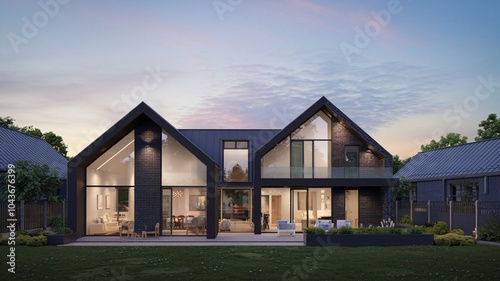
478	262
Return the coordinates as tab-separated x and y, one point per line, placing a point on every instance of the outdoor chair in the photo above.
196	225
325	224
285	226
156	232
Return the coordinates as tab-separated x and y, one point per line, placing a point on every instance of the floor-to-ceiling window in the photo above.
275	205
236	210
110	189
184	180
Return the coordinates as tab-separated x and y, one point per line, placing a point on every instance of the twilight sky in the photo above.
404	71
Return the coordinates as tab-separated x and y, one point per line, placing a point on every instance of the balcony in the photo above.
327	173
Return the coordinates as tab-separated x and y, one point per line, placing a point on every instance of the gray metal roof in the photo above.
210	140
466	160
15	146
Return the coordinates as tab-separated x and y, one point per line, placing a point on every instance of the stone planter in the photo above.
60	239
356	240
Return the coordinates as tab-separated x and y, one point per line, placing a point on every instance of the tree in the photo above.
51	138
397	163
403	190
450	139
490	128
33	182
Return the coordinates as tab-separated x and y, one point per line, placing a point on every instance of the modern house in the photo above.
466	172
321	165
15	146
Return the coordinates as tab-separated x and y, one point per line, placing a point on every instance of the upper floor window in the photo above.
464	191
235	161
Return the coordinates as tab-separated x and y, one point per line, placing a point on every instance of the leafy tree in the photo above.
403	190
398	163
490	128
450	139
54	140
33	182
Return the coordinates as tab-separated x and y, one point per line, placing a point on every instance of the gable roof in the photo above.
467	160
124	126
15	146
326	105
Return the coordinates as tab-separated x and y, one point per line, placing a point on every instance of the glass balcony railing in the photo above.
326	173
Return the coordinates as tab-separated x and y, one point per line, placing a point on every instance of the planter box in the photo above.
355	240
60	239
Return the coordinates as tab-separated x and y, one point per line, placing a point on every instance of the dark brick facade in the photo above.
341	136
147	175
371	204
431	190
493	190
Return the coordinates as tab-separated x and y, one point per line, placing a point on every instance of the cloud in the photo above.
270	96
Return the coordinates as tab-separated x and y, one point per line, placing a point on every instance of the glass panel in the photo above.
276	163
189	211
229	144
301	209
242	144
322	159
297	163
115	166
236	165
179	166
320	204
351	161
317	127
236	210
107	208
308	159
166	211
275	206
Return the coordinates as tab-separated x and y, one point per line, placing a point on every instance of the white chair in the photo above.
285	226
341	223
325	224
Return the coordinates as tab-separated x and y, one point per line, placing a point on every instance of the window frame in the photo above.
236	146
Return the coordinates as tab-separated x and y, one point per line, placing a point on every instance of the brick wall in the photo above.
371	205
147	175
493	190
341	137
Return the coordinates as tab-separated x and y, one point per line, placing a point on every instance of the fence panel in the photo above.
33	214
464	216
420	212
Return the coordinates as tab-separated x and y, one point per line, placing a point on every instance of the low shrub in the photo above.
440	228
315	230
451	239
23	232
4	240
345	230
457	231
37	241
491	230
407	220
415	230
332	230
22	239
62	230
42	232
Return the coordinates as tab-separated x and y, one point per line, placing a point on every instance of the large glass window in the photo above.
464	191
115	166
275	205
236	161
179	166
188	211
306	153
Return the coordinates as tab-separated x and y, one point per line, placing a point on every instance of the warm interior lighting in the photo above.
114	155
177	193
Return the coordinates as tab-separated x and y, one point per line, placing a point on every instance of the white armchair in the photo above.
285	226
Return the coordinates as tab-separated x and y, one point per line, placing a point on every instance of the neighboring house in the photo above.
15	146
321	165
465	172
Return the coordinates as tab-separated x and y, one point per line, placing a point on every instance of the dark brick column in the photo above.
147	175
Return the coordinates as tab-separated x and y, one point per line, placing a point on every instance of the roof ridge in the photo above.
23	133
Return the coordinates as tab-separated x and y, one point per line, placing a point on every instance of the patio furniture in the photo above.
285	226
196	225
325	224
341	223
156	231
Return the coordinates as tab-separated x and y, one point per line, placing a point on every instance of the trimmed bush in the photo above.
407	220
345	230
4	240
415	230
451	239
332	231
440	228
491	230
457	231
22	239
315	230
37	241
55	222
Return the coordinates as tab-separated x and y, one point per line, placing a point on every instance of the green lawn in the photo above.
478	262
